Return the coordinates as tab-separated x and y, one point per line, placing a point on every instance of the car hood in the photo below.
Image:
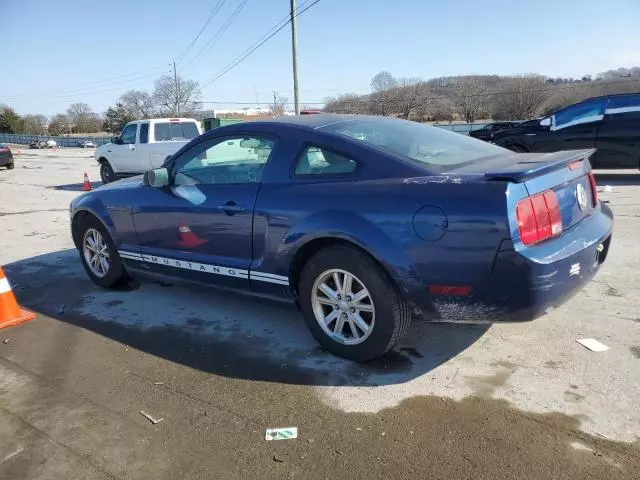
125	183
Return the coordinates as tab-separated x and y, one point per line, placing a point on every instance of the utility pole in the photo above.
177	87
294	48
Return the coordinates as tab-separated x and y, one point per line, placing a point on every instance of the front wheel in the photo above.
99	255
351	305
107	174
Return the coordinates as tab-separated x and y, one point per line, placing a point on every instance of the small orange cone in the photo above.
189	239
10	311
86	186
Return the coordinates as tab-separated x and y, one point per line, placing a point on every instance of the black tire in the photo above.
392	313
116	274
516	148
107	174
10	166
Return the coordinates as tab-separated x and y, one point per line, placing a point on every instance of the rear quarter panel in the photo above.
379	217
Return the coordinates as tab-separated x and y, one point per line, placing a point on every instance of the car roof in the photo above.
311	121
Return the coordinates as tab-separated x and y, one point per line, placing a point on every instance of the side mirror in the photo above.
158	177
545	122
115	140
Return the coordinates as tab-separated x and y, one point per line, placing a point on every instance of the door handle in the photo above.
231	207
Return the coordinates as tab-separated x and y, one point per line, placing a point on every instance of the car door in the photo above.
123	155
618	142
200	226
574	127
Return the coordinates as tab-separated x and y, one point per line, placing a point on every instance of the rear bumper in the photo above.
6	159
523	286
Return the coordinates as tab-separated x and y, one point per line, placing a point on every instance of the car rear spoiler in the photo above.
532	165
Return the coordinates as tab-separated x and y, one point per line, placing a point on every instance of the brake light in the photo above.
594	190
539	217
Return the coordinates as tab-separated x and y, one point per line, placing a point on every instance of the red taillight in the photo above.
539	217
594	191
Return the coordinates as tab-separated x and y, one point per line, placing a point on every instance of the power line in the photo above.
261	42
96	83
209	45
213	13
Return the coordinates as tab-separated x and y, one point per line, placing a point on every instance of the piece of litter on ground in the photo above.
280	458
592	344
281	433
607	188
601	434
158	383
6	340
150	418
359	429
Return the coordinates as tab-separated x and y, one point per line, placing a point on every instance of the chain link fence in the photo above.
60	141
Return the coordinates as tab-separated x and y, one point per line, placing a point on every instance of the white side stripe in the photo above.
269	275
206	268
4	285
611	111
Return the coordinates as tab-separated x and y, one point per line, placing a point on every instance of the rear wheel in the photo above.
10	166
351	305
99	254
107	174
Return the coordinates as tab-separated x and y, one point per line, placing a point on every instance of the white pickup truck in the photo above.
144	145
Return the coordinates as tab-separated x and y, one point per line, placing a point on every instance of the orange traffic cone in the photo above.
189	239
86	186
10	311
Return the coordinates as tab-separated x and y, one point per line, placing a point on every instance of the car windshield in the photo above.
432	147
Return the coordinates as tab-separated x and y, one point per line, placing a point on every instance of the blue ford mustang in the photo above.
363	221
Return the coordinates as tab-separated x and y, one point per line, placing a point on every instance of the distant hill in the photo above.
473	97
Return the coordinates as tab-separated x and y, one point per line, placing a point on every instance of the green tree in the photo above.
10	121
115	118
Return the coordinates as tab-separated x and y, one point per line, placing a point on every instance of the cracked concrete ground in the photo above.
453	401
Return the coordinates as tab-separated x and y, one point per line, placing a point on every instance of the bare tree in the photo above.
181	98
59	124
34	124
523	98
382	99
277	107
409	94
138	104
83	119
350	103
470	97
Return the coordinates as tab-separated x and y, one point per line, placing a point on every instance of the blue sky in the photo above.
56	52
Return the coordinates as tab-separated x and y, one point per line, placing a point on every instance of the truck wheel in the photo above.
99	254
351	305
106	172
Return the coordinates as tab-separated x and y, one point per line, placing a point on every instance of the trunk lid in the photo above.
566	173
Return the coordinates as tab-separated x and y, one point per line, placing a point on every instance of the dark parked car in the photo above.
486	133
6	157
610	124
363	221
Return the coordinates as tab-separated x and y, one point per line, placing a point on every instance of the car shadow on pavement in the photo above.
75	187
221	332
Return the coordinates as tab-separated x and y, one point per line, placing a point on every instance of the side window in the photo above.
626	104
224	161
144	133
321	161
589	111
129	134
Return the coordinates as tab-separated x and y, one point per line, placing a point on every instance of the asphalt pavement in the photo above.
453	401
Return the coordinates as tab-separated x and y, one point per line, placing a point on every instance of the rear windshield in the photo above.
164	132
432	147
